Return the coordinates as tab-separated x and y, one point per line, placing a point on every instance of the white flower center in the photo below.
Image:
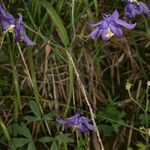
109	33
136	1
10	28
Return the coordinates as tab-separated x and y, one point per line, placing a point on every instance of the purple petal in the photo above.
21	33
5	13
91	127
104	33
124	24
20	19
27	40
144	8
118	32
115	15
94	34
105	24
84	120
131	10
83	128
6	19
61	121
4	25
95	24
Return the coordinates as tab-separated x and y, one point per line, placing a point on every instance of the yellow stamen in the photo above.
75	127
10	29
136	1
109	34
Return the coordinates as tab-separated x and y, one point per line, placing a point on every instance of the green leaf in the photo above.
141	146
19	142
54	146
35	108
48	116
106	129
57	22
144	119
31	147
64	138
112	113
22	130
32	118
46	139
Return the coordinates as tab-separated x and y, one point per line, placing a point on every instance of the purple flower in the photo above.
78	121
110	26
135	7
9	23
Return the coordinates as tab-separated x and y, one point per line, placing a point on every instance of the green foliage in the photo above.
25	139
141	146
30	101
144	119
37	114
57	21
62	138
111	120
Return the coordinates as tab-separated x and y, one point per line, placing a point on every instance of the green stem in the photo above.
33	75
5	130
135	101
146	112
17	100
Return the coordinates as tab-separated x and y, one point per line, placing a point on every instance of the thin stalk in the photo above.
32	69
4	128
72	17
24	62
86	99
96	8
17	100
35	86
2	40
71	87
146	112
135	101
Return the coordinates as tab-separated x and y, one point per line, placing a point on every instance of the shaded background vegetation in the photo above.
44	84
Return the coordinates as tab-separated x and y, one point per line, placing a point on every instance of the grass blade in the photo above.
57	22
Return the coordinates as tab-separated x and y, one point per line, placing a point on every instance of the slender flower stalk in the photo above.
135	7
110	26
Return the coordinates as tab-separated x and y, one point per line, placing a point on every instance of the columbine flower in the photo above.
110	26
10	24
135	7
78	121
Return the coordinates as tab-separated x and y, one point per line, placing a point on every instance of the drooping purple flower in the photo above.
78	121
9	23
110	26
135	7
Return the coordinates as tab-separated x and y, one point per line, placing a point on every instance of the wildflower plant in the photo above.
110	117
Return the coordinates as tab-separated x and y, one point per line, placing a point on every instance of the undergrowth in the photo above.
66	73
